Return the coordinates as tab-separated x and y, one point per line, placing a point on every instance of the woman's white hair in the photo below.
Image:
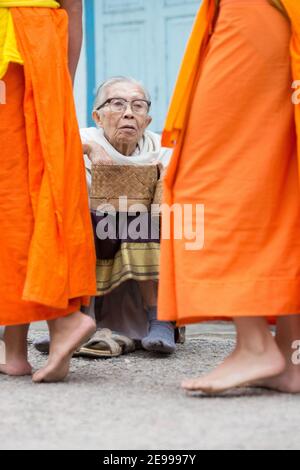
102	90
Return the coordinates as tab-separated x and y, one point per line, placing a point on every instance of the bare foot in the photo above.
287	338
16	368
240	369
287	382
67	335
13	351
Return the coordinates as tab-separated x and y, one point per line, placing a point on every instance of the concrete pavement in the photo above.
135	402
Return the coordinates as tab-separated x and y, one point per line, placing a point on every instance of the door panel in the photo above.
144	39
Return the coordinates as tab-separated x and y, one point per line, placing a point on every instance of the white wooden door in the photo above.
144	39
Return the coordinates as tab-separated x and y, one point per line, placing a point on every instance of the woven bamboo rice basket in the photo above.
112	182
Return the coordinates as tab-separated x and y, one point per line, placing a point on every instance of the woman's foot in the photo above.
14	361
256	357
161	336
67	335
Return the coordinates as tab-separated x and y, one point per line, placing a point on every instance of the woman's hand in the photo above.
97	154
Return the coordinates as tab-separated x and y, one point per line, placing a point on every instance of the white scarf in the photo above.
148	152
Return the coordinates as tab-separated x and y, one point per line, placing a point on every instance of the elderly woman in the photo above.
127	267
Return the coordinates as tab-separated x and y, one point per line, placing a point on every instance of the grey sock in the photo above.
161	336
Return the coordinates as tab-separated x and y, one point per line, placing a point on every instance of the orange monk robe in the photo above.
174	130
60	273
292	8
177	117
177	120
196	48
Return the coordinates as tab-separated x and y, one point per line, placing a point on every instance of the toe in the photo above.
189	384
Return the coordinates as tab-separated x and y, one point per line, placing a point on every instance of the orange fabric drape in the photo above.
292	8
196	48
235	153
53	261
189	69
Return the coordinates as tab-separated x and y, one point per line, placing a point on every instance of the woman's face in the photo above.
124	127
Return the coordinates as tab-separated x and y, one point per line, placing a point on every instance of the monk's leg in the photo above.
66	335
288	340
16	361
255	357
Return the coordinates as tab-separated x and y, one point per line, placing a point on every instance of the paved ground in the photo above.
134	402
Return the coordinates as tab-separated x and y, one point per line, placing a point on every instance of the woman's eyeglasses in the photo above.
119	105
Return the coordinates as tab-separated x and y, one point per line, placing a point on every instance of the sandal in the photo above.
110	344
101	344
127	344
